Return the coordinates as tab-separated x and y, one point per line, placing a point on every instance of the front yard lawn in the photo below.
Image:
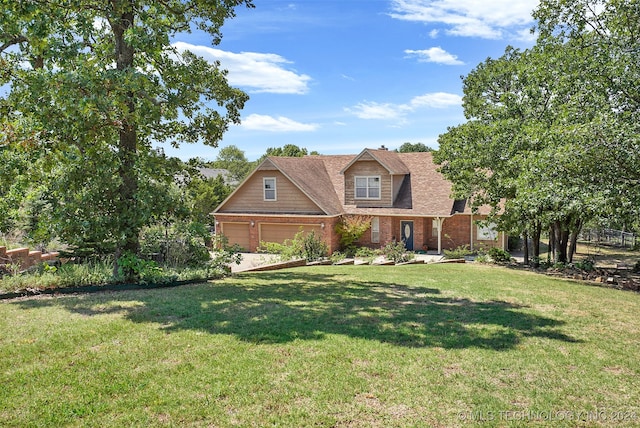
343	346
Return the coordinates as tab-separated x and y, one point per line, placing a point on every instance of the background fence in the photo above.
610	237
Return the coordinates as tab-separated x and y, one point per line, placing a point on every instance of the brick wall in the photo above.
456	231
24	257
328	235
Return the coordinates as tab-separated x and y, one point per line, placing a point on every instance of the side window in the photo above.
434	228
375	230
269	185
487	232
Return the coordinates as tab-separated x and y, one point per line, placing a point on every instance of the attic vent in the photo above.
382	147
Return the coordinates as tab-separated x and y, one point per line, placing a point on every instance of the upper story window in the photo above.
269	186
367	187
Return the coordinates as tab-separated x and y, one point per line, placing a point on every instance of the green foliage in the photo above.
585	264
103	85
290	150
397	252
553	130
413	147
458	253
498	255
304	245
130	266
176	245
482	258
351	228
337	256
233	160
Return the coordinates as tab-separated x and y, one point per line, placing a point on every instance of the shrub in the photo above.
458	252
337	256
636	267
308	246
499	255
396	252
178	245
482	258
366	253
351	228
586	264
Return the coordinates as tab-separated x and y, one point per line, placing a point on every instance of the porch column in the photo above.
439	221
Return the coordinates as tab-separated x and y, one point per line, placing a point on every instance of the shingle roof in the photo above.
387	159
425	192
310	175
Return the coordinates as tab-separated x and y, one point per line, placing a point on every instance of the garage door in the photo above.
237	233
280	232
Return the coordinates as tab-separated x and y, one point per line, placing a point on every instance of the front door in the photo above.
406	234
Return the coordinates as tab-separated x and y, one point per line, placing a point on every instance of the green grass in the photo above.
352	346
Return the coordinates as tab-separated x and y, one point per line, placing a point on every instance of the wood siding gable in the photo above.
248	198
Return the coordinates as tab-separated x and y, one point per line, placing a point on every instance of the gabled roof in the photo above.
310	175
427	193
424	191
389	160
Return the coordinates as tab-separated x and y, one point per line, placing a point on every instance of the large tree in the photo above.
554	129
100	80
233	160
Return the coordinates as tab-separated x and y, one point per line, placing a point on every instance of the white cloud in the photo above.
258	72
489	19
373	110
259	122
389	111
435	54
436	100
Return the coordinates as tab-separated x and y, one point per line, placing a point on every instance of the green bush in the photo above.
177	245
482	258
351	228
366	253
396	252
586	264
458	252
499	255
307	246
337	256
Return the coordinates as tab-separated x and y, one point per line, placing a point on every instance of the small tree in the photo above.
351	228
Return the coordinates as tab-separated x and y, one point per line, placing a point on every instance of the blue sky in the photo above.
338	76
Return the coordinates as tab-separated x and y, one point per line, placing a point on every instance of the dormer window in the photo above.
269	186
367	187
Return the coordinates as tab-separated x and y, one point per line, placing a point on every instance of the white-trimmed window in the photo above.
269	186
375	230
487	232
434	228
367	187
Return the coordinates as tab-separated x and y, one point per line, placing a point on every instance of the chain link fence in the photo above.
611	237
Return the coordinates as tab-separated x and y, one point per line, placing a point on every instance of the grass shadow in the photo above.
280	307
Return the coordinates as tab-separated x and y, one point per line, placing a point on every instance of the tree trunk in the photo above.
552	244
560	233
128	235
573	244
537	231
525	238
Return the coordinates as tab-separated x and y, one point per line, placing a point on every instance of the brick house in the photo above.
403	194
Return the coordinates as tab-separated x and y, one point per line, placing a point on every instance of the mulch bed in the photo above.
622	278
